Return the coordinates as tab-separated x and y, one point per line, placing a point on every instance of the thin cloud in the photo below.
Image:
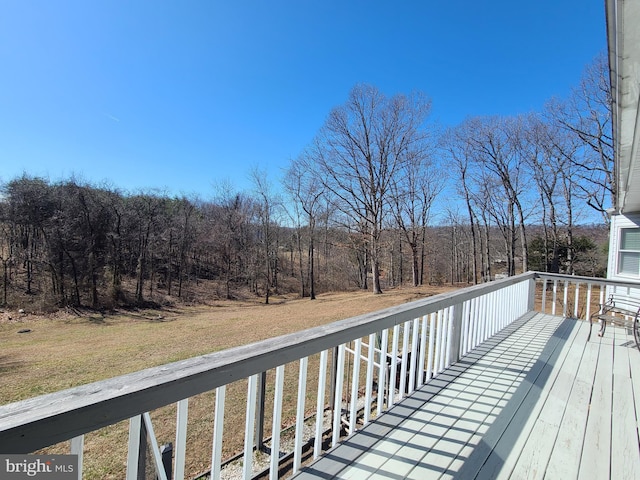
115	119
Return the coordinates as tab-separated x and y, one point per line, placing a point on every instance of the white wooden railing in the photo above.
364	366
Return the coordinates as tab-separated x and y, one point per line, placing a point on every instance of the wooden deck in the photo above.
536	401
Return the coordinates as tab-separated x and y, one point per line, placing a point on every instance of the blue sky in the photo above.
183	95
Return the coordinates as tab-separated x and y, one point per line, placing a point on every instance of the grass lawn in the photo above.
63	351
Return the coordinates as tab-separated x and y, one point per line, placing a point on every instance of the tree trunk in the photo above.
312	281
5	281
375	263
415	267
170	263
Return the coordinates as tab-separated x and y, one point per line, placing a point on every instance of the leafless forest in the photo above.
355	210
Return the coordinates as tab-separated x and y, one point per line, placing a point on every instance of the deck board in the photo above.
565	457
595	461
625	455
545	418
536	401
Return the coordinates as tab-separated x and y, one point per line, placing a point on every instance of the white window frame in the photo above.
622	251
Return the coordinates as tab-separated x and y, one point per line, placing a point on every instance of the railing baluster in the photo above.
516	307
430	350
249	426
406	332
394	365
499	318
463	329
508	299
508	306
368	395
555	297
438	343
414	354
182	408
482	319
382	374
355	385
218	429
157	457
77	448
446	357
423	350
576	300
544	296
302	392
473	316
565	299
337	401
444	350
513	306
588	308
496	316
491	301
133	455
440	350
513	303
322	384
475	326
274	461
487	315
466	327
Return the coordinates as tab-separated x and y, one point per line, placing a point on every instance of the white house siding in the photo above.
618	222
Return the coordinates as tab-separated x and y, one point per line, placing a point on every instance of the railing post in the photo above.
320	404
181	441
334	376
337	399
277	423
77	448
218	428
167	458
249	428
142	452
260	413
532	295
137	456
453	355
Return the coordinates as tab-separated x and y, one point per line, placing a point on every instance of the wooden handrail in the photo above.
34	423
445	326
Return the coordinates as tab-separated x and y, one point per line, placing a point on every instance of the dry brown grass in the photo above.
69	350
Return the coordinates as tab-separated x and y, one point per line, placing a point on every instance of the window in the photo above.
629	259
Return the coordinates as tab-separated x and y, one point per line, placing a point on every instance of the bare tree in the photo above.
147	208
413	191
495	146
546	167
307	190
265	209
6	251
586	114
228	234
456	145
361	148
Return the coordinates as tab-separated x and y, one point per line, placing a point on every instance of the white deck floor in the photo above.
537	401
